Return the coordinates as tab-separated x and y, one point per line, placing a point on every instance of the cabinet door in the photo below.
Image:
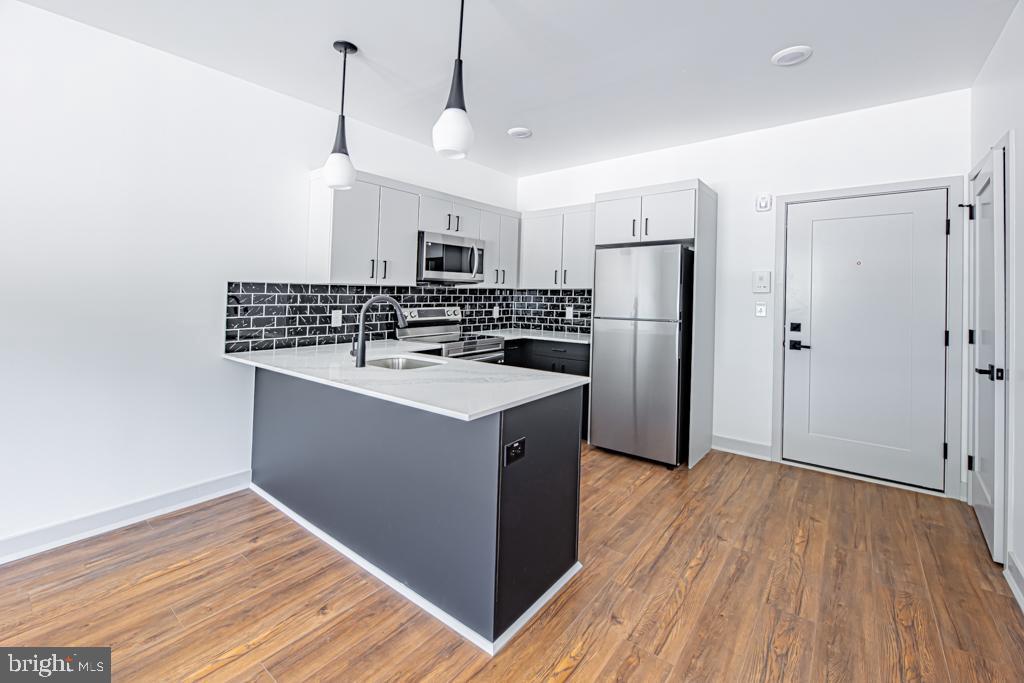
509	259
354	235
466	221
618	221
669	216
490	233
540	266
578	250
436	215
396	241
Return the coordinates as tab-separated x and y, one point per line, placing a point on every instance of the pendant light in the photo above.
453	134
339	173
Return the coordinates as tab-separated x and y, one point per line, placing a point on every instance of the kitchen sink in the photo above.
402	363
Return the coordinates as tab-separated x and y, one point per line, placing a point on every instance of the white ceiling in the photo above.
595	79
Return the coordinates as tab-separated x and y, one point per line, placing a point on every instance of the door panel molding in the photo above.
955	321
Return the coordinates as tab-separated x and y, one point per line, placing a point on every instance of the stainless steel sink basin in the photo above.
402	363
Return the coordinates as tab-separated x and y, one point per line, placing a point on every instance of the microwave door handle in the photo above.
472	263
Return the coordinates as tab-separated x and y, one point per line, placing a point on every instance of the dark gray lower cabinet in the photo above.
566	358
480	517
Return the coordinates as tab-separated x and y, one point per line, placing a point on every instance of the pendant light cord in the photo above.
344	69
462	9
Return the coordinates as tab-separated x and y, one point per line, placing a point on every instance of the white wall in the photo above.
998	108
133	185
910	140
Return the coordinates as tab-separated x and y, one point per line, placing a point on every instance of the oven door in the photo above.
449	258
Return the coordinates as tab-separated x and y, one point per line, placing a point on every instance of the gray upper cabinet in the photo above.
540	265
557	250
578	250
467	220
617	220
444	215
355	216
396	237
668	215
646	217
509	251
500	235
362	236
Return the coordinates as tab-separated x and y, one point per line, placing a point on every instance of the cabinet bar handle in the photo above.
495	276
634	227
502	276
457	221
556	276
385	276
645	226
373	268
565	277
449	222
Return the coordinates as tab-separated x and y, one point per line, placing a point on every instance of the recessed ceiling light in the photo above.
791	56
519	132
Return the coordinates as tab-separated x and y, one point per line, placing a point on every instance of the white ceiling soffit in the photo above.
593	79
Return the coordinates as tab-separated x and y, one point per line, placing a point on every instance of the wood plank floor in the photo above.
739	570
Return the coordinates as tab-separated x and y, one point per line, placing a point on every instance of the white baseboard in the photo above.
1014	574
491	648
751	449
45	538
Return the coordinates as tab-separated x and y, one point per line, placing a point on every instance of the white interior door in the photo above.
865	336
988	322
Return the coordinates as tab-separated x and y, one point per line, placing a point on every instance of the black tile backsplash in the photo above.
268	315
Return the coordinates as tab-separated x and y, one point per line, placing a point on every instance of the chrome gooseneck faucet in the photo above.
359	343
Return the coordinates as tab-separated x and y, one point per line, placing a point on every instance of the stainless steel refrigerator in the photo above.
640	362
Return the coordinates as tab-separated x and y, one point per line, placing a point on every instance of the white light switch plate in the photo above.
763	202
762	281
336	318
761	309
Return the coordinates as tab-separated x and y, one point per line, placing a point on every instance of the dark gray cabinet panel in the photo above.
538	510
412	492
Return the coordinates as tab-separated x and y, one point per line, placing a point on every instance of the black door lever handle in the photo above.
991	372
796	345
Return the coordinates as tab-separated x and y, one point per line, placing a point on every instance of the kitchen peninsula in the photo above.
456	482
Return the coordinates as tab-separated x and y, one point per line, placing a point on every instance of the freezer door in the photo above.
634	388
638	282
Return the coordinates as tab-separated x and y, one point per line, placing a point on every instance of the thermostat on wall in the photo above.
762	281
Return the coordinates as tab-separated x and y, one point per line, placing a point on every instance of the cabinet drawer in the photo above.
566	366
560	350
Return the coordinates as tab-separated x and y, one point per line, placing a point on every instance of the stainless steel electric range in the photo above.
443	325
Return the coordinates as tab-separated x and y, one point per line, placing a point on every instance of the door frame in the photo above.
956	406
1006	143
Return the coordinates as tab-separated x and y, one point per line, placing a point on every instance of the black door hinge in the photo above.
970	336
970	210
945	451
947	337
947	226
970	463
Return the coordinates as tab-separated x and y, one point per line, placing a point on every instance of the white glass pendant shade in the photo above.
453	134
339	173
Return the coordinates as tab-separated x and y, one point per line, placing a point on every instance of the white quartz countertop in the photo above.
462	389
517	333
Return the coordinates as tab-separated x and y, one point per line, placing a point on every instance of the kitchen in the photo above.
581	402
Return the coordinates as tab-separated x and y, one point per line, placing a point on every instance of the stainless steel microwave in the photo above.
449	258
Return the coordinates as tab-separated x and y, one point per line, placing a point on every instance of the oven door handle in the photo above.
495	357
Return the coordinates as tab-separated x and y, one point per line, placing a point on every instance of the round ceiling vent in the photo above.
791	56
